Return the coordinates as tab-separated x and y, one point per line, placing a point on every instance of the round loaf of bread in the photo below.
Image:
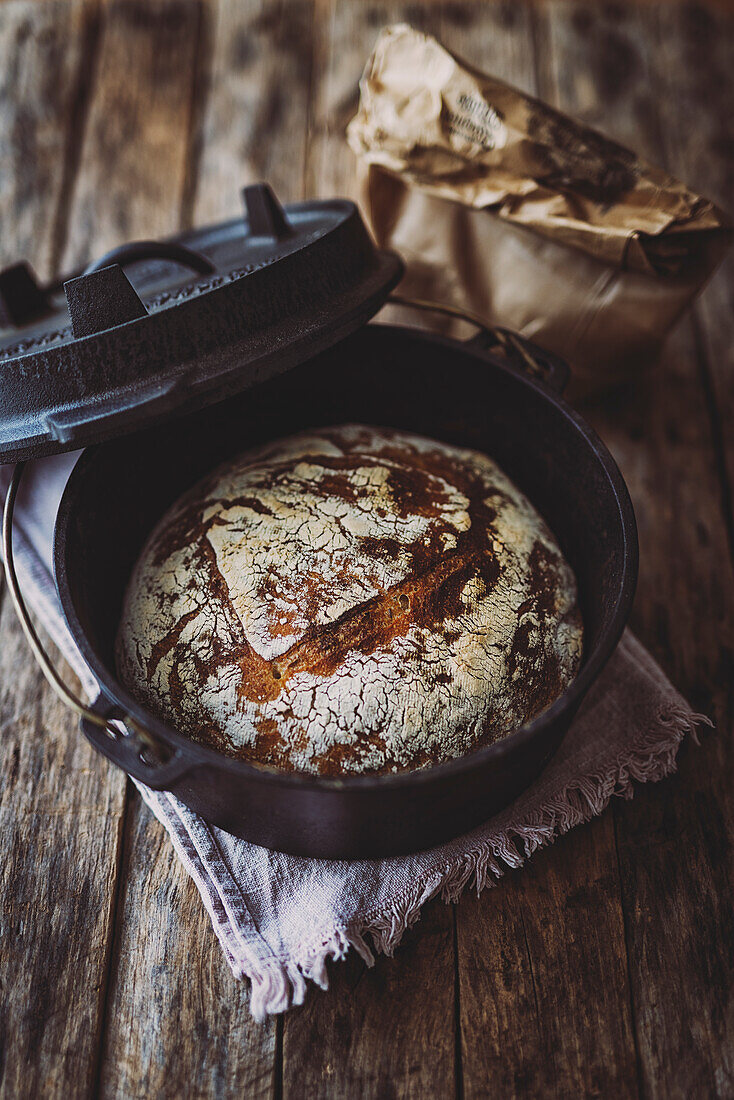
350	600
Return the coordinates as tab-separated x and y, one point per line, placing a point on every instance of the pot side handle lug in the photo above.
521	354
127	744
525	356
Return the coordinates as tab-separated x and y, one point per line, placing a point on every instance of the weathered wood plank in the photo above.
543	977
384	1031
137	139
60	813
167	964
693	67
178	1023
200	1038
60	805
44	51
532	1019
496	37
256	118
389	1031
675	841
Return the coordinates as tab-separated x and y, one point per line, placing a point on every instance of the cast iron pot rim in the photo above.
193	755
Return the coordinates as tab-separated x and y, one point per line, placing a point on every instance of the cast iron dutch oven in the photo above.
276	343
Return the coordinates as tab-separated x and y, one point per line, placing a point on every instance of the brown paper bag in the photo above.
504	206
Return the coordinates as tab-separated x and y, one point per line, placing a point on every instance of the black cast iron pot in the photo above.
383	375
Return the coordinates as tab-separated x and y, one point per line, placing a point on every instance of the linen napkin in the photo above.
280	918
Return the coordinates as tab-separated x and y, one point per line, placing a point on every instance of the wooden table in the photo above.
604	967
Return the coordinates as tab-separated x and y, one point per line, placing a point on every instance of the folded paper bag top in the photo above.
502	204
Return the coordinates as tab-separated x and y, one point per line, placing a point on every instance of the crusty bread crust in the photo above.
350	600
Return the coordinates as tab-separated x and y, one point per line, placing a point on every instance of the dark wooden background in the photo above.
604	968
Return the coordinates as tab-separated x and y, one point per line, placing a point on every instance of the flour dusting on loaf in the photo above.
350	600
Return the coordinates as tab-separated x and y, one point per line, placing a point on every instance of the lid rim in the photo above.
200	392
221	334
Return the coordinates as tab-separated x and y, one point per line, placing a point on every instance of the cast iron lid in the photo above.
158	328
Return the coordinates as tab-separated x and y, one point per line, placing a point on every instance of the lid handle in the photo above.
265	215
136	251
22	300
519	352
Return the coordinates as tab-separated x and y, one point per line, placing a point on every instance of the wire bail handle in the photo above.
520	352
45	663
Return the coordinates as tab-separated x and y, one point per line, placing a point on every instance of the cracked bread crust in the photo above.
350	600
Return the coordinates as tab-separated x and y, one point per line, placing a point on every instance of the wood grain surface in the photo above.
606	966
